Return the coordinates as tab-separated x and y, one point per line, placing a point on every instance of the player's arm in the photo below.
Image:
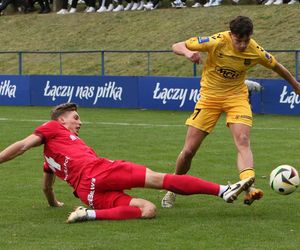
181	49
48	183
20	147
286	74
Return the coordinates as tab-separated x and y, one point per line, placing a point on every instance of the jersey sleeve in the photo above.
266	59
47	130
203	44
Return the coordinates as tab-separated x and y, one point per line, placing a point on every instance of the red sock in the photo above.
119	213
186	184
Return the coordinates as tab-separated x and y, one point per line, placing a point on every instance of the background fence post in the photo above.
20	53
297	64
102	63
195	69
148	68
60	64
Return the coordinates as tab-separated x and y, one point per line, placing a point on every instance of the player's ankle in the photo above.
246	173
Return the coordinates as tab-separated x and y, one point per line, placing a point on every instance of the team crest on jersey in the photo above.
247	61
73	137
203	39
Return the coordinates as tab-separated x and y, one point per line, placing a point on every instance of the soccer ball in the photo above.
284	179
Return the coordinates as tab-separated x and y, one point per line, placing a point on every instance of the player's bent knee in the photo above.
243	140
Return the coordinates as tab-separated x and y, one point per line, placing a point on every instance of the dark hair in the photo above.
241	26
61	109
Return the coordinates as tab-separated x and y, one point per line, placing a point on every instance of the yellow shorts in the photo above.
206	114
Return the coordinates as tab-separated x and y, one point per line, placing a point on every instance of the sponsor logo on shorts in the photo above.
90	196
228	73
237	117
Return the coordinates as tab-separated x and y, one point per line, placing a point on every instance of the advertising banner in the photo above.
168	93
87	91
278	97
163	93
14	90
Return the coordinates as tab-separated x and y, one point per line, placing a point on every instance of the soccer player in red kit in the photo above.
100	182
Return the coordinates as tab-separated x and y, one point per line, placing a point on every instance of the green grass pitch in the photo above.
153	138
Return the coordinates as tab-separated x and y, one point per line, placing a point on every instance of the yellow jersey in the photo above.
225	69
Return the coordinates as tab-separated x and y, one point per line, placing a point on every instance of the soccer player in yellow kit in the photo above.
230	55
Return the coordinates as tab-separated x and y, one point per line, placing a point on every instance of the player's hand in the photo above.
194	56
57	204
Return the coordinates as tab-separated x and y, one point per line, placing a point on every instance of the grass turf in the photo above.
153	138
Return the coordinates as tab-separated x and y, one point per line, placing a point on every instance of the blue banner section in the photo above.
276	97
86	91
164	93
14	90
279	98
168	93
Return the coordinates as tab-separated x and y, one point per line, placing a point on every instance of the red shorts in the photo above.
102	186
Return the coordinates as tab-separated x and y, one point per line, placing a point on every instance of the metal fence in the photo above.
14	62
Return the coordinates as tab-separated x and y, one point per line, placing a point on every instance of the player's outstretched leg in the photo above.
188	185
235	189
116	213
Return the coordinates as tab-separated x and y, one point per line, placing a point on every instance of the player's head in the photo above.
59	110
241	30
66	114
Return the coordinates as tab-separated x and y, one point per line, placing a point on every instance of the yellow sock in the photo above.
246	173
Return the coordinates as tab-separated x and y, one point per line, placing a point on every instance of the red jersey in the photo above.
65	153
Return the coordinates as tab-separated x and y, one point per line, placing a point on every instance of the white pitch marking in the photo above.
136	124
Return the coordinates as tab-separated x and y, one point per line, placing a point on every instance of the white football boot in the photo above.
110	8
293	2
62	12
102	9
79	214
91	10
141	6
72	10
235	189
168	200
148	6
120	7
128	6
196	5
269	2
